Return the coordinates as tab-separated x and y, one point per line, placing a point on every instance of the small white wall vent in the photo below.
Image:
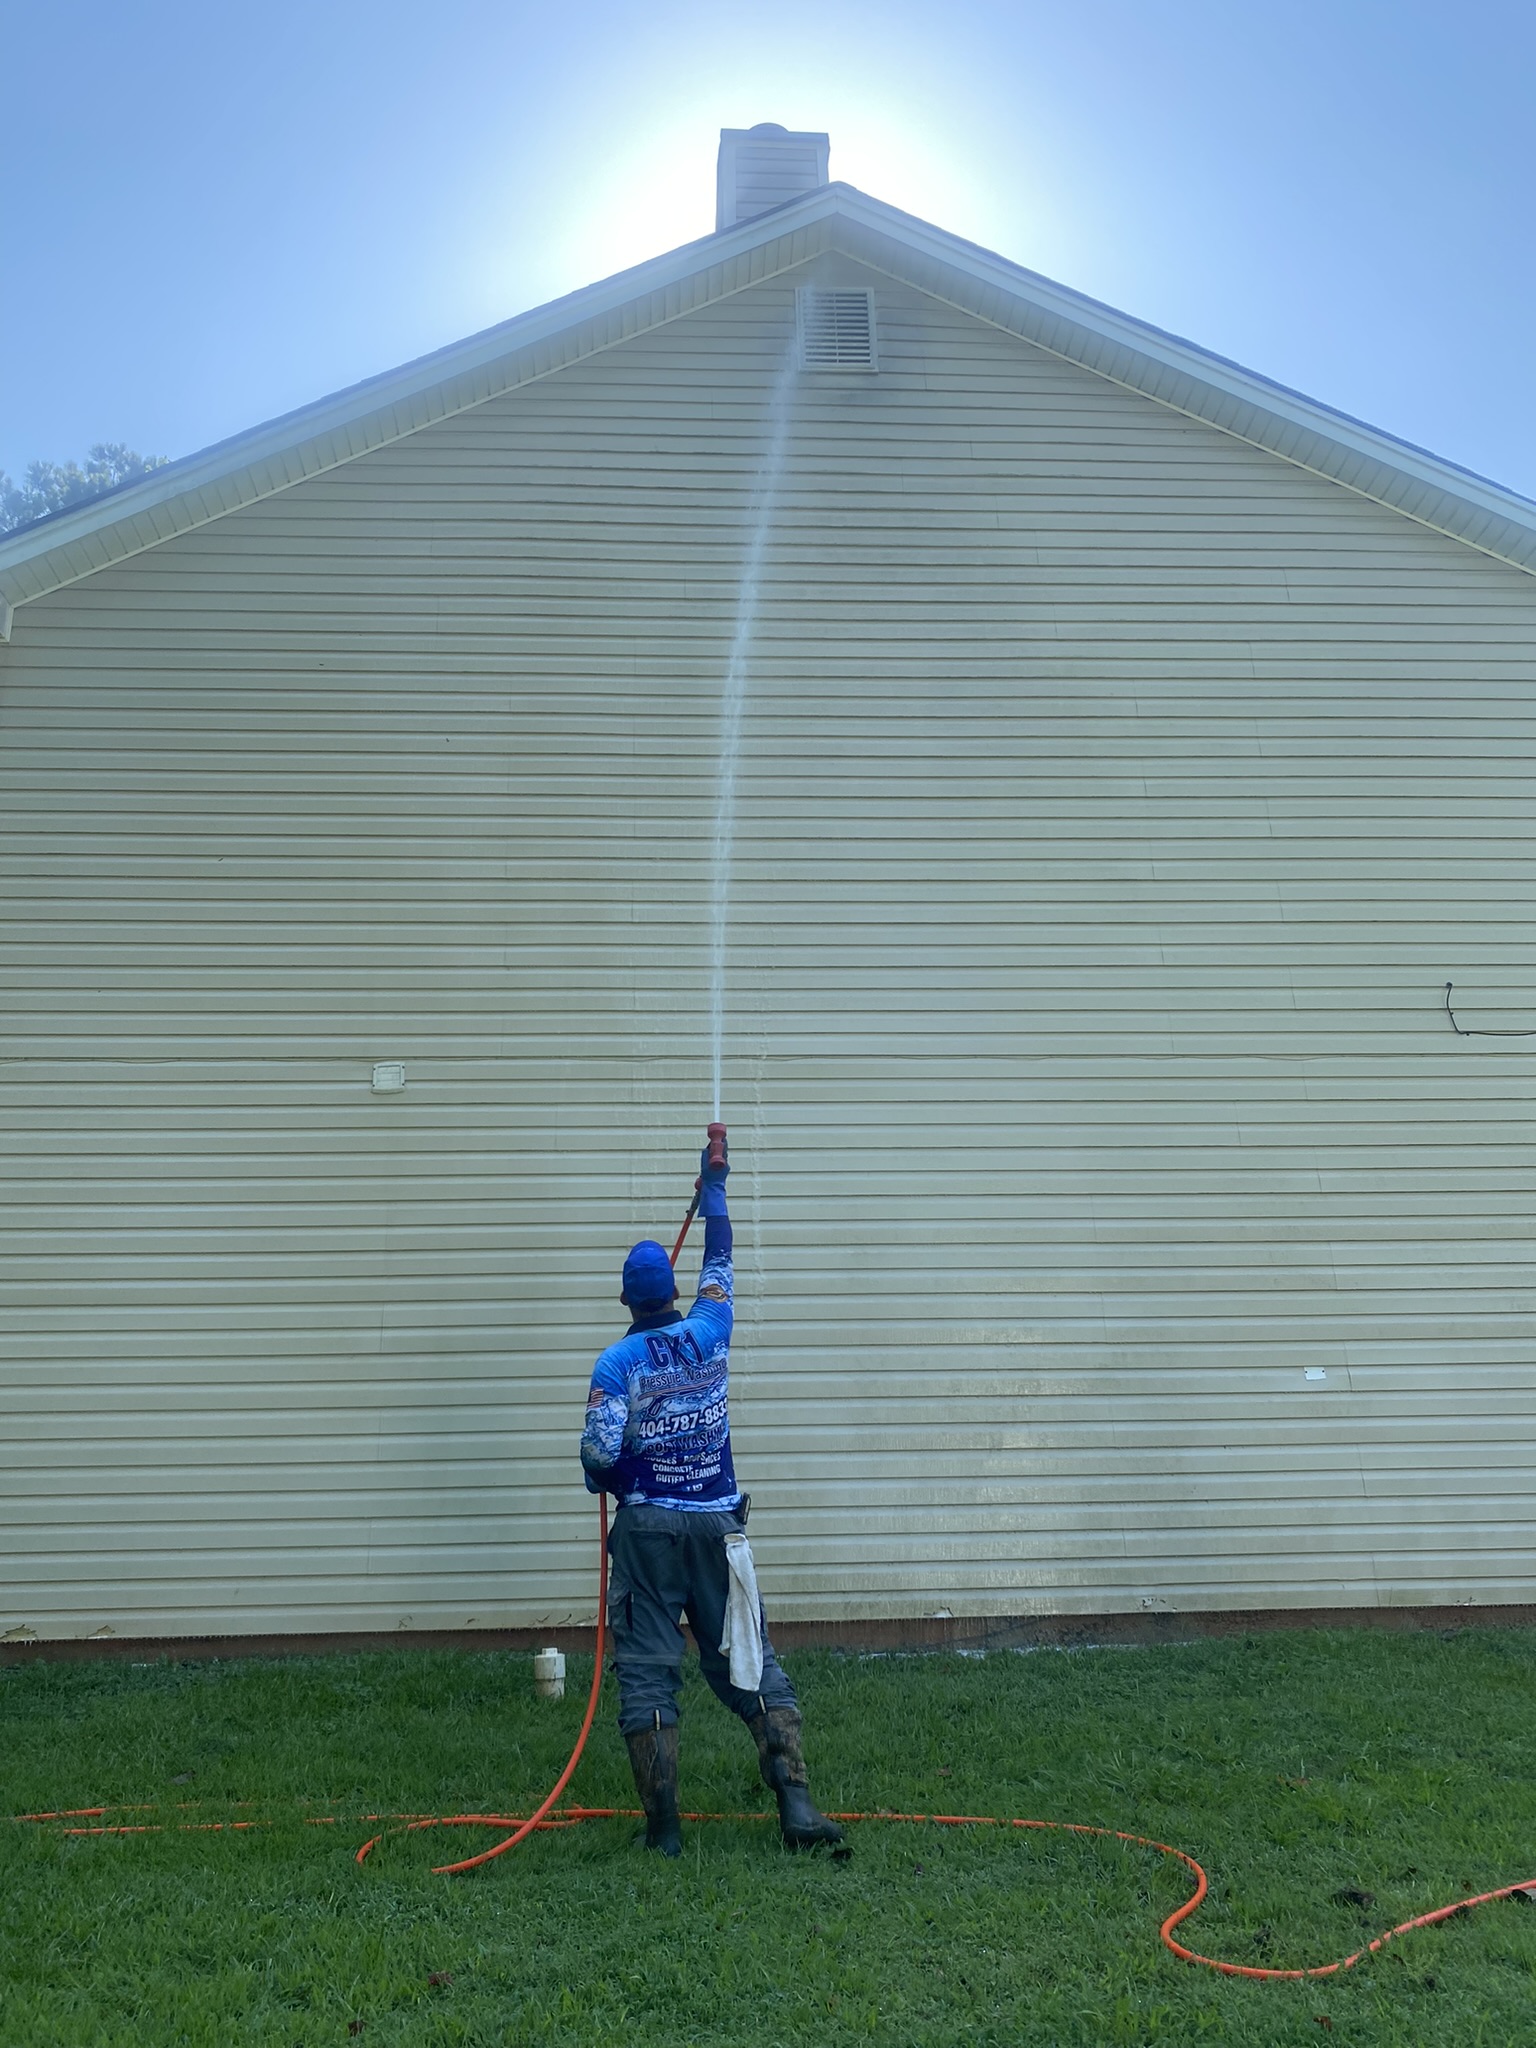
837	329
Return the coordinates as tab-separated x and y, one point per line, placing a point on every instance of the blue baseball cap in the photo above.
649	1282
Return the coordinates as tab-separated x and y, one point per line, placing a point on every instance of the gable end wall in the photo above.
1116	800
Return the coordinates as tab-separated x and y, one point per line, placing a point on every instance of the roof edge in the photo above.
379	398
189	492
1176	352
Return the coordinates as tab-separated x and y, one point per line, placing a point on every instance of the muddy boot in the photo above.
653	1759
776	1731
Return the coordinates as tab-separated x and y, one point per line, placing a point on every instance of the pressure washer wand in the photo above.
693	1210
716	1155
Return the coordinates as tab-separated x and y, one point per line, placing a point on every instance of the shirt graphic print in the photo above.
658	1430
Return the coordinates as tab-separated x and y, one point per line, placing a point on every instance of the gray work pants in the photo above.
664	1563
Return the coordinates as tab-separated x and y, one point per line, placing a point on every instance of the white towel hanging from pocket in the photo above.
743	1638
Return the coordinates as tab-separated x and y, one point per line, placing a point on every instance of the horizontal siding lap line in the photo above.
459	1522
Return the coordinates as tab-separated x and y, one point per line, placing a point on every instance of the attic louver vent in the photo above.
837	330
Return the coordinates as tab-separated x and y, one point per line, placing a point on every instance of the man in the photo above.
658	1437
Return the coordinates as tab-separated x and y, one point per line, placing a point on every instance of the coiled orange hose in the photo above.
544	1818
536	1818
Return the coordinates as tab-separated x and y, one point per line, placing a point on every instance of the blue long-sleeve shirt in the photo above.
658	1430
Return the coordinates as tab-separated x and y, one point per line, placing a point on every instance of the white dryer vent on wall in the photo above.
837	329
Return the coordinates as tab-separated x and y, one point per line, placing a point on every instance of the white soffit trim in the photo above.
235	473
1207	387
269	458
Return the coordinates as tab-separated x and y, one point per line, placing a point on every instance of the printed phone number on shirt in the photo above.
683	1424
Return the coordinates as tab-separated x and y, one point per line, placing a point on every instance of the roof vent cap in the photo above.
762	167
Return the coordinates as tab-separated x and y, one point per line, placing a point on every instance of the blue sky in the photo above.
217	211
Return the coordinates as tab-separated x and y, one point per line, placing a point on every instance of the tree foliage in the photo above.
51	487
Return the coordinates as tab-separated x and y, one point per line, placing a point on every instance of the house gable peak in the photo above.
783	236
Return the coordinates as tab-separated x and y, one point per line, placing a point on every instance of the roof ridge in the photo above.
60	548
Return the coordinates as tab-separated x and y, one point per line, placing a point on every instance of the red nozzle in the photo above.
717	1144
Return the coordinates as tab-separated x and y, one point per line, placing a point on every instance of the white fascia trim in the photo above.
1187	358
375	399
388	407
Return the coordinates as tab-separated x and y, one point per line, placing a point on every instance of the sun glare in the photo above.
654	191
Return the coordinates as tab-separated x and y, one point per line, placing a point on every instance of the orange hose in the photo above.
572	1816
544	1819
537	1818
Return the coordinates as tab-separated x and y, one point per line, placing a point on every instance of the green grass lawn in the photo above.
1295	1767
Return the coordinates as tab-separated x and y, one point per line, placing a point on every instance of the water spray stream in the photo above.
760	513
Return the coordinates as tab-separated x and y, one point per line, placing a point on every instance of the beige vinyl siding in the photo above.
1116	801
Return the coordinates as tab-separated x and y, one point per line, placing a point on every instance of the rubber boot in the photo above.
776	1731
653	1759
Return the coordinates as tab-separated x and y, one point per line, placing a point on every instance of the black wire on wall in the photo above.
1461	1032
